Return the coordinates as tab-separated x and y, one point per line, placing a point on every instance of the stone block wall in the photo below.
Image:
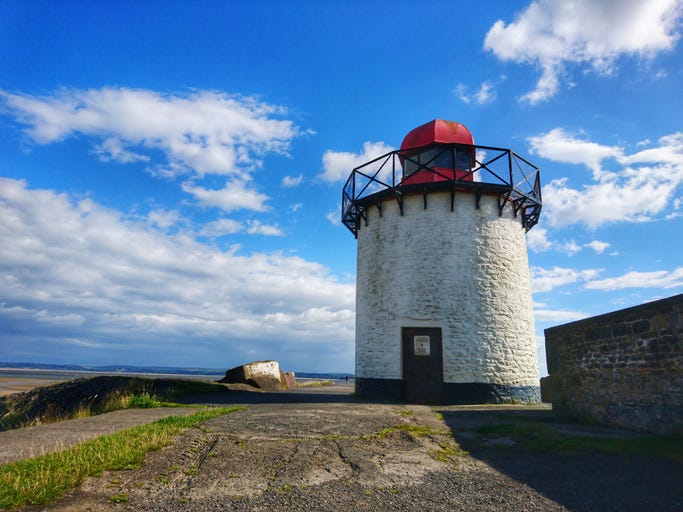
622	369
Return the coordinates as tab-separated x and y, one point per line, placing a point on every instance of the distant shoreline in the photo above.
17	380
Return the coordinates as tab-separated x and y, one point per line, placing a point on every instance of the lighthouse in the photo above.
443	294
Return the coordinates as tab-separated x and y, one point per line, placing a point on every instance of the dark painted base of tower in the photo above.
391	390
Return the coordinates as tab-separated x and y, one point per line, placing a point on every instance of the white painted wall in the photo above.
465	271
262	369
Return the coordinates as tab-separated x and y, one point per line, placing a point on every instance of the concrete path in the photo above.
29	442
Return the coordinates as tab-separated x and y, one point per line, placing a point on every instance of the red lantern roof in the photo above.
437	131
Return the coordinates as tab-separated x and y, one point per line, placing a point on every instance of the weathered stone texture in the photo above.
623	369
265	375
465	271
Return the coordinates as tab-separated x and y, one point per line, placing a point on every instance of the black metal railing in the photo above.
455	167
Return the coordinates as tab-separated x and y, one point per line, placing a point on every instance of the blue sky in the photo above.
171	172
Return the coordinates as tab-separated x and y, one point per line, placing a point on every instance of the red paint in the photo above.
427	141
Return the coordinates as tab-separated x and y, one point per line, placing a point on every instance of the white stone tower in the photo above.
443	293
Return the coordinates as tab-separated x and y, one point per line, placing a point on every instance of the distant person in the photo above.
347	379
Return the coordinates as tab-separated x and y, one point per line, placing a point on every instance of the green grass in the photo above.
416	430
541	438
145	401
43	479
19	410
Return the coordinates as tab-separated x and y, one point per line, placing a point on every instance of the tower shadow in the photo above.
525	446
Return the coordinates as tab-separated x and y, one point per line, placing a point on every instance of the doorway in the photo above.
422	365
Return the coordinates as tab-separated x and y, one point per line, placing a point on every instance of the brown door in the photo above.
422	365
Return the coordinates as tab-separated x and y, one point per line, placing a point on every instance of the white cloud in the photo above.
257	228
292	181
553	35
201	133
571	248
545	280
560	146
163	219
236	195
337	165
78	271
558	315
111	149
598	246
656	279
537	240
57	319
334	218
485	94
643	189
668	151
221	227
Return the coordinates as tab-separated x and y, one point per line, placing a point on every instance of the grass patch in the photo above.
314	384
542	438
143	401
43	479
416	430
448	452
94	395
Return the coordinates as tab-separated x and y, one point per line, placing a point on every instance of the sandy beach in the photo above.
16	381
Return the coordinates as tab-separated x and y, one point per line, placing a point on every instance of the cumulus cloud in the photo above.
666	279
337	165
644	188
555	35
571	247
74	270
485	94
200	133
538	241
257	228
221	227
598	246
560	146
164	219
235	195
545	280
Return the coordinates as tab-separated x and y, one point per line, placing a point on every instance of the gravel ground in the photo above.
319	456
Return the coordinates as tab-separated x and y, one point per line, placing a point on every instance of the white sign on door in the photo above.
421	345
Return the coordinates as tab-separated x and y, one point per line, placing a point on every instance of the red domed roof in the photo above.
437	131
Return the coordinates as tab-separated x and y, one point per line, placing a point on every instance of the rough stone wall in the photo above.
465	271
261	374
622	369
288	380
